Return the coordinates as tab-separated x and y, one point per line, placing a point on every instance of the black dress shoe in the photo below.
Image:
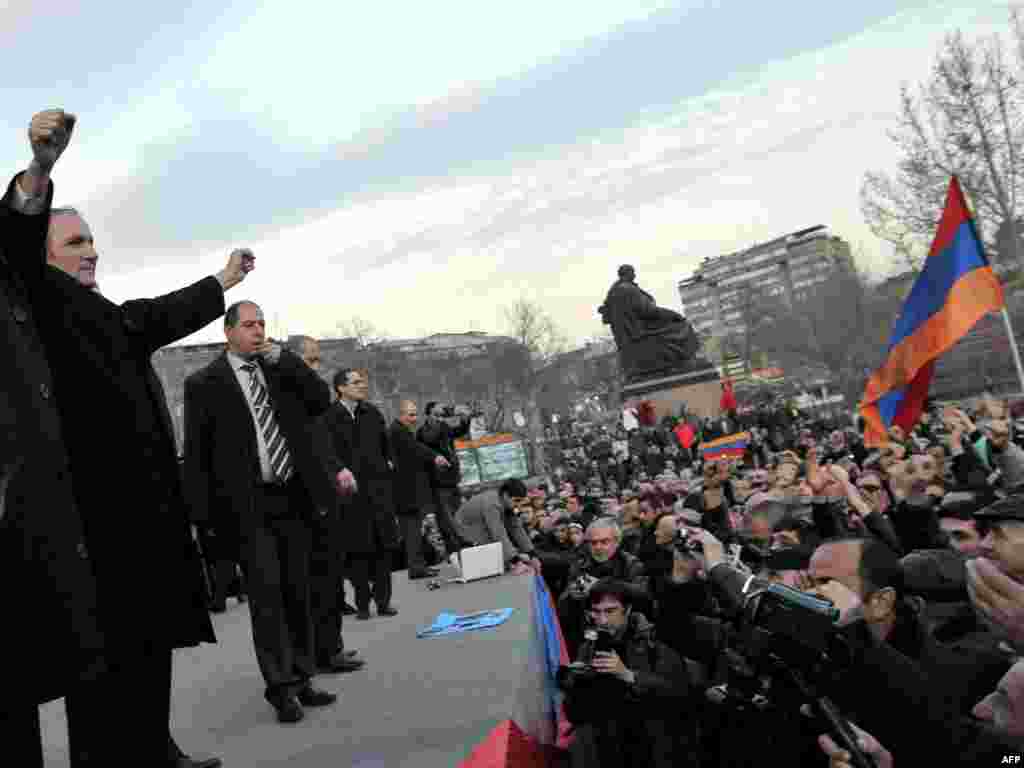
341	663
363	615
314	697
347	610
189	762
289	710
387	610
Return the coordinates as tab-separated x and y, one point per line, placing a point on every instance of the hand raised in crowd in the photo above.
346	482
840	758
609	663
441	462
240	263
998	598
49	133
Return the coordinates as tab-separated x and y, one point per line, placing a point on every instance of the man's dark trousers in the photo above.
412	532
448	501
375	567
328	573
275	550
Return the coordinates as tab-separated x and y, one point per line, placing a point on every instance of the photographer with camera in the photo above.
824	642
439	433
601	559
627	694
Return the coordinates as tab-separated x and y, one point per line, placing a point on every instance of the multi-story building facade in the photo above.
714	297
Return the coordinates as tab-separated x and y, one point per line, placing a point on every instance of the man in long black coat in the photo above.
414	463
253	474
360	457
92	457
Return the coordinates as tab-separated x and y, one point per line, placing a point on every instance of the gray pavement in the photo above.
422	703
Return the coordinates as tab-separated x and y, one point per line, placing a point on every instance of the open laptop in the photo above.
481	562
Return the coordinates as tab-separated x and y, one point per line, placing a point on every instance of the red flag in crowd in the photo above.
728	401
685	435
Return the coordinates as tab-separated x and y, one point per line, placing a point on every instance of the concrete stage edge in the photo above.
417	703
701	390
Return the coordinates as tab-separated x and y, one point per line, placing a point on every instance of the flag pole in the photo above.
1015	244
1013	347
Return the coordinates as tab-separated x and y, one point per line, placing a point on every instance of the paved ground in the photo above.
421	703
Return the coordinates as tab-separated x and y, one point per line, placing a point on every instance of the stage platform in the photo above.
417	703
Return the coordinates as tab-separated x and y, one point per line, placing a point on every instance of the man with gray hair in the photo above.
70	247
93	412
601	558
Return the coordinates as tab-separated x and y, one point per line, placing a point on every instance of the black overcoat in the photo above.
52	636
221	453
120	443
414	463
363	447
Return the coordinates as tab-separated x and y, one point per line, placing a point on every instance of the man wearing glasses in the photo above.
627	695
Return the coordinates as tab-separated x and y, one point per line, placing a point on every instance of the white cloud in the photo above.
749	161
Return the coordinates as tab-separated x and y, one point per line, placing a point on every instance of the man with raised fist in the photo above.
87	456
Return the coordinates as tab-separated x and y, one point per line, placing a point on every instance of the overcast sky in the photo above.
420	165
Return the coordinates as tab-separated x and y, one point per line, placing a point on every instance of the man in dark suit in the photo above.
253	475
86	453
414	463
440	435
360	458
70	247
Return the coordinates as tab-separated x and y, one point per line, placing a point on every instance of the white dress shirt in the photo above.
242	375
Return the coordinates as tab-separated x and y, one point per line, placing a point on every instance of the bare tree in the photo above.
840	326
365	334
968	121
538	342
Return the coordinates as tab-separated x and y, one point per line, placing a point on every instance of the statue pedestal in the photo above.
700	389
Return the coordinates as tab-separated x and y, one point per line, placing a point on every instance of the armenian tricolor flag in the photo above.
728	446
955	289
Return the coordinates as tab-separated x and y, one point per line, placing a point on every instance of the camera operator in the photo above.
680	597
869	680
627	694
867	567
439	434
601	559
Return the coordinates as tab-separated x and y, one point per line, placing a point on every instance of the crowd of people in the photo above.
920	544
690	587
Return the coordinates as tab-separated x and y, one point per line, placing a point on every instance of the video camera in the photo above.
781	652
582	670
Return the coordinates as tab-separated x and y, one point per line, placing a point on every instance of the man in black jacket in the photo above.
629	703
440	436
360	455
79	398
414	463
254	476
71	249
601	559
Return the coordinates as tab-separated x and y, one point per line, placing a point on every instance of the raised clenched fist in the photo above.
49	134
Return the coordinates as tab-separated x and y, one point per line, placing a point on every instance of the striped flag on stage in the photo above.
729	446
955	289
556	654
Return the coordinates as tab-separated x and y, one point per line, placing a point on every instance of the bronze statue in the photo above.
652	340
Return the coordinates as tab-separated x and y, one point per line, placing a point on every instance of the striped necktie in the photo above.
280	459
